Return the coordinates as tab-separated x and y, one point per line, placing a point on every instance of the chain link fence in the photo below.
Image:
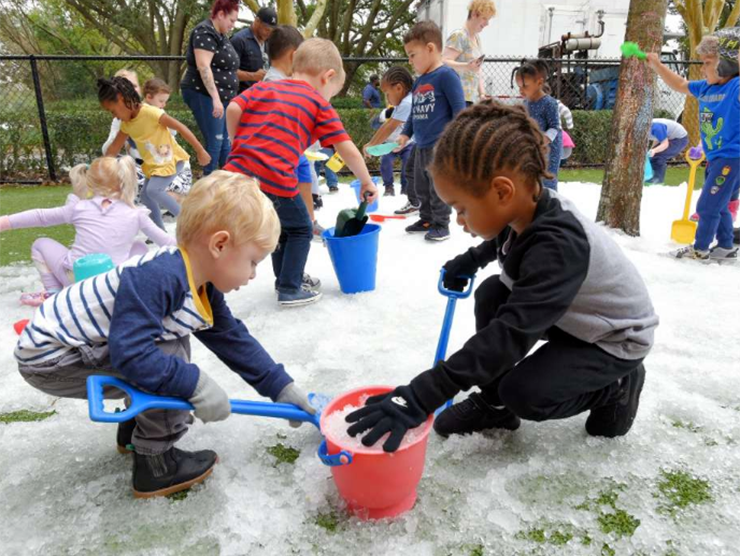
50	118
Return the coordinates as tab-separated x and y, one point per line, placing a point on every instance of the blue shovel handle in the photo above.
452	297
141	401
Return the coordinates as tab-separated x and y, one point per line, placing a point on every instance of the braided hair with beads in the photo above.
110	89
487	138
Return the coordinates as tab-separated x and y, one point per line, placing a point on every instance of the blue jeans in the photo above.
331	177
386	166
296	231
660	161
212	129
720	184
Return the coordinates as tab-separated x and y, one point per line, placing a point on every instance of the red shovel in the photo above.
384	217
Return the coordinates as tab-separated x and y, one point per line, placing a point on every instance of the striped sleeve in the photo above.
328	129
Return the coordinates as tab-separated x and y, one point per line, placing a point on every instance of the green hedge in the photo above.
77	130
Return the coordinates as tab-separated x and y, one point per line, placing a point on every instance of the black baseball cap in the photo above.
268	16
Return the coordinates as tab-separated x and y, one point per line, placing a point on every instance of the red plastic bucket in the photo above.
376	484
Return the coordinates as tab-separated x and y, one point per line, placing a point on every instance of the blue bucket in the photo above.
91	265
648	174
356	186
354	258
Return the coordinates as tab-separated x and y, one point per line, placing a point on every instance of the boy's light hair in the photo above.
315	56
486	8
231	202
114	178
709	46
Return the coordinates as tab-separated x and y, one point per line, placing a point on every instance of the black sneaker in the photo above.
474	415
437	233
407	209
615	419
318	203
123	437
333	188
389	191
418	227
171	472
736	236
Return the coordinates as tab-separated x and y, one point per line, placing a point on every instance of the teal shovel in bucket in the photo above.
444	336
140	401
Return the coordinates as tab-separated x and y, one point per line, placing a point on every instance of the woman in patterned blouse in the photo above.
463	51
210	80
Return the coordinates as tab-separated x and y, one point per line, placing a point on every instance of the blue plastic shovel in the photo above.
141	401
444	335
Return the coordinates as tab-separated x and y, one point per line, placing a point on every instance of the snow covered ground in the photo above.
672	486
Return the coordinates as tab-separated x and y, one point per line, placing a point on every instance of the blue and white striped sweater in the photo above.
142	302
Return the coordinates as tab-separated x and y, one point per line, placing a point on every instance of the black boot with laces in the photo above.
474	415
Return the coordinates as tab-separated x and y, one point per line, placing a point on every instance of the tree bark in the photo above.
621	194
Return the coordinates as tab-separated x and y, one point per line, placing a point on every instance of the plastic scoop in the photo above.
141	401
351	221
684	230
316	156
632	49
382	149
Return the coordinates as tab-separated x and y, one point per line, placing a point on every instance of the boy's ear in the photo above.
503	188
218	242
291	55
327	76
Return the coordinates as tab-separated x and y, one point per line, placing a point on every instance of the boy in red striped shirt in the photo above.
270	125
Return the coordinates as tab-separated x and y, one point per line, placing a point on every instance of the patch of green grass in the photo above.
329	521
179	496
555	534
283	453
474	549
680	489
688	425
619	522
607	550
15	245
675	175
25	416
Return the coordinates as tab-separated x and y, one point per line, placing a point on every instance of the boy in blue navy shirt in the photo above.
719	119
437	98
135	322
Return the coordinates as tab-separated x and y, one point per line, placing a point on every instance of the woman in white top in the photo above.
463	51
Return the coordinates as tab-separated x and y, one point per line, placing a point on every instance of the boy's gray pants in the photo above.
433	209
156	430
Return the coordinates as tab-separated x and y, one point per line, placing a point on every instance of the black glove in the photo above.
462	265
395	412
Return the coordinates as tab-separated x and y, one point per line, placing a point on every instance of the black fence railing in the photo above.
50	118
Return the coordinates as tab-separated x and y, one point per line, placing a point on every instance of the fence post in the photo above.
42	118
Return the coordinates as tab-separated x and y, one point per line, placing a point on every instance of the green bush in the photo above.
591	136
78	128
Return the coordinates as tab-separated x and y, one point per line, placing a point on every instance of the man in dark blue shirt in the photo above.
249	44
370	94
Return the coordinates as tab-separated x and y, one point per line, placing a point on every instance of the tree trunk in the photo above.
621	194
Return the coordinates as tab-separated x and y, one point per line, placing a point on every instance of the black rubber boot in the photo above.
123	437
474	415
616	417
171	472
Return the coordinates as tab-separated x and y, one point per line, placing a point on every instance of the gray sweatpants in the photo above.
156	430
154	195
433	209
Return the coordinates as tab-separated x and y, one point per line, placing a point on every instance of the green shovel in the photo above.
351	221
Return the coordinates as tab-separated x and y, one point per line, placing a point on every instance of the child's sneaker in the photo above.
419	226
333	188
308	282
318	231
318	203
474	415
615	419
689	252
407	209
438	233
124	435
736	236
722	255
35	299
171	472
299	298
389	191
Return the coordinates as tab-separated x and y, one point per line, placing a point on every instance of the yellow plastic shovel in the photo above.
684	230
